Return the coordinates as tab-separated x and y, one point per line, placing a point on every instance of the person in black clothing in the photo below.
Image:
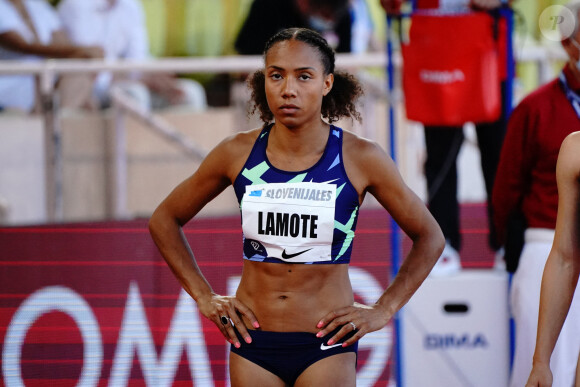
443	144
331	18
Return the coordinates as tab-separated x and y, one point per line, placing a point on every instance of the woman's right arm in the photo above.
214	174
13	41
563	265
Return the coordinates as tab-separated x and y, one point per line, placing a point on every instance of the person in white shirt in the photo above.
30	30
118	26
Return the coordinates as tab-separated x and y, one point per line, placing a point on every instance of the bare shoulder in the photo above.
240	140
569	157
572	143
364	155
366	163
233	151
359	149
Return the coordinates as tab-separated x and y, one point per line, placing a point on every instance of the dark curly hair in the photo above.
338	103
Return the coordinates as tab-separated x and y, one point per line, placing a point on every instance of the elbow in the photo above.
435	241
565	257
431	241
438	241
153	223
163	221
157	222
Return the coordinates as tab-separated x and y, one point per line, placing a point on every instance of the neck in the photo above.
299	140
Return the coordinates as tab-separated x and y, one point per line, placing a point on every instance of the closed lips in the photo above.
288	107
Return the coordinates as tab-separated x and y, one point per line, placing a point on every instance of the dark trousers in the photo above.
442	147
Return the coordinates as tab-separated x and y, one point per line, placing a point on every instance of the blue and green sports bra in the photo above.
297	217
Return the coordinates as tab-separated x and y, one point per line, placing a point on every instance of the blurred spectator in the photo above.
118	26
363	30
526	183
346	25
30	30
443	144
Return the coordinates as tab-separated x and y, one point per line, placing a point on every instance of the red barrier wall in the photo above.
96	305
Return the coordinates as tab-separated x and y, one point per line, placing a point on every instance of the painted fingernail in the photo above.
320	324
237	345
319	334
256	325
248	339
330	342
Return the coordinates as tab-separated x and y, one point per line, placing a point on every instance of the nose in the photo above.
289	88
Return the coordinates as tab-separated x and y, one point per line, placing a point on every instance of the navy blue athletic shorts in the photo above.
288	354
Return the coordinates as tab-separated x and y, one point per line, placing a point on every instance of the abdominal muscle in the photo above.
293	297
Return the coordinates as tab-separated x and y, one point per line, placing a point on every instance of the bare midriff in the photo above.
293	297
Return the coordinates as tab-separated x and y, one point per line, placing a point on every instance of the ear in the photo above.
328	82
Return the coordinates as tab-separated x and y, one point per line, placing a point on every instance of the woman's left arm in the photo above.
372	170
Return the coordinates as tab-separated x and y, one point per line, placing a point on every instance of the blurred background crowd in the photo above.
140	29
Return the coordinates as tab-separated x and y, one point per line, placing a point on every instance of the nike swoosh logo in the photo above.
325	182
325	347
289	256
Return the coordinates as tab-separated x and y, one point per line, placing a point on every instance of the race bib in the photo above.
290	221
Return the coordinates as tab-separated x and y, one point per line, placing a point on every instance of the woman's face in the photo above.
295	82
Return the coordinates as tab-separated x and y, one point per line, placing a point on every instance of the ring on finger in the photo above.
225	320
353	326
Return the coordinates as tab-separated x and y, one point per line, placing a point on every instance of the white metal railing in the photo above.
49	70
123	103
